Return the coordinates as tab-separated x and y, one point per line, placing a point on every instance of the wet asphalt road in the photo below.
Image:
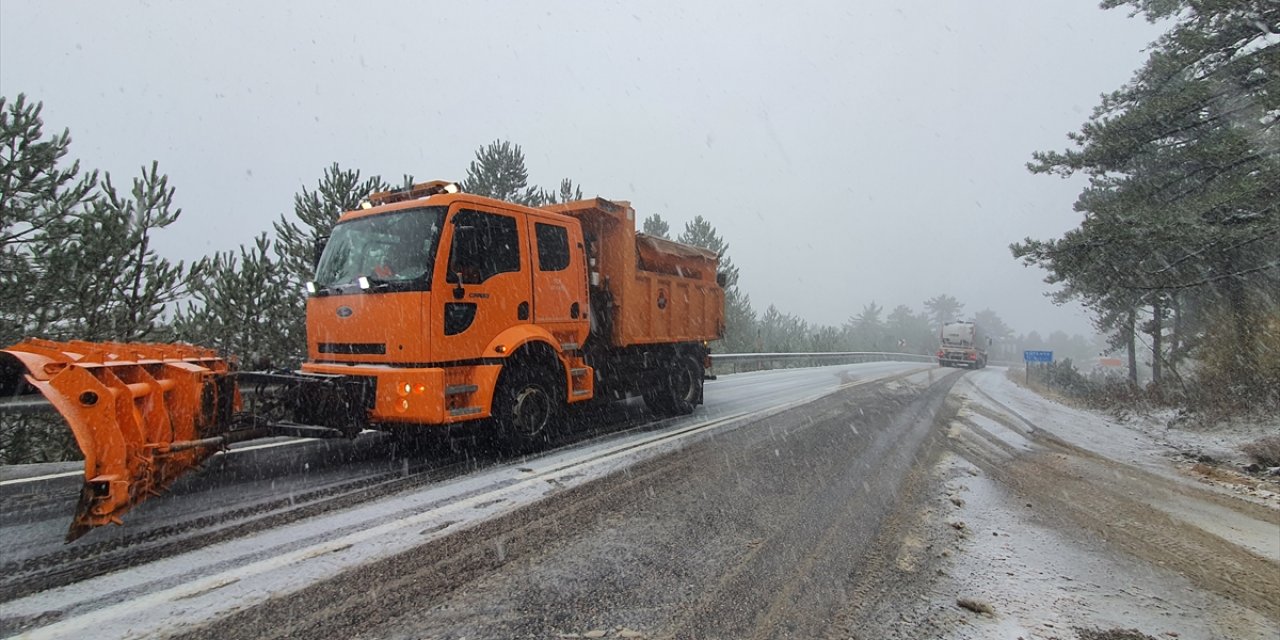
257	488
762	532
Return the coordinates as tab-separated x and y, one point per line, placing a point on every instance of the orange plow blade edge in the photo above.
142	414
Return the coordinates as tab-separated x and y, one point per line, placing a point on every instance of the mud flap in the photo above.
142	414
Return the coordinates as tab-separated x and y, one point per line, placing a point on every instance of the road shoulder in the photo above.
1030	532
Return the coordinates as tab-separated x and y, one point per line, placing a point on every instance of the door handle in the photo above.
522	311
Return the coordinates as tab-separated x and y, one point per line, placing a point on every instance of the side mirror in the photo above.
722	279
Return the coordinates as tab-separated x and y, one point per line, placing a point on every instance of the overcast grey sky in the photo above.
848	152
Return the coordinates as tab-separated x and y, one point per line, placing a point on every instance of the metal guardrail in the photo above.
744	362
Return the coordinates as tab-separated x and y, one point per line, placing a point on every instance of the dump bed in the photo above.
645	290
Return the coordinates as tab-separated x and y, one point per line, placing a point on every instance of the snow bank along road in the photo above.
1064	522
266	511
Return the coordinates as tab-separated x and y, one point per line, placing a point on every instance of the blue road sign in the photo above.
1037	356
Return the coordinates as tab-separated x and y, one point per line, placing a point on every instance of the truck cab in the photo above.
426	294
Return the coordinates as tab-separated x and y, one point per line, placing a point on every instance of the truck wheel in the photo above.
679	391
526	406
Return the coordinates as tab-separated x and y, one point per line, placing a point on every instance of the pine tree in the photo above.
942	309
339	190
865	331
499	172
992	324
38	194
1184	176
914	331
569	192
102	278
783	332
245	305
824	339
741	333
655	226
1000	333
700	233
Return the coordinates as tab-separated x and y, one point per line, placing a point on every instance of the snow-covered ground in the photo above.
1192	439
1153	441
1063	520
1044	582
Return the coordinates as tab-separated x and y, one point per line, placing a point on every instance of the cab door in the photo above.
559	276
482	285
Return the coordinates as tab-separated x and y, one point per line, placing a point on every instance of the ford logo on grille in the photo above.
345	312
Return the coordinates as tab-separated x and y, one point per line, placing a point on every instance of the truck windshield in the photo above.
394	249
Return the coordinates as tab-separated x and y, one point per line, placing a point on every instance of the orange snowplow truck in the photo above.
429	307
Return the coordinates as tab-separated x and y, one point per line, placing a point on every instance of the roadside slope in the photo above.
1061	523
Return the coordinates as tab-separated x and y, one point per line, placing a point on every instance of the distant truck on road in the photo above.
964	344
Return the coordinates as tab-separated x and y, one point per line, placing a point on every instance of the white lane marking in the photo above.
68	474
65	474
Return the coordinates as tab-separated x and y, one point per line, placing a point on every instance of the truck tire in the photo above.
526	405
679	389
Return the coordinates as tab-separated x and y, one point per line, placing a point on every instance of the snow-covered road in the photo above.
159	595
865	499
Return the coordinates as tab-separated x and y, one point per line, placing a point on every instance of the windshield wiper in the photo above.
373	283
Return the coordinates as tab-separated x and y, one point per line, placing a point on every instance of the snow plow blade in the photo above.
142	414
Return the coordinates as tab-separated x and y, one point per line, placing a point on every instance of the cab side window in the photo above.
484	245
553	247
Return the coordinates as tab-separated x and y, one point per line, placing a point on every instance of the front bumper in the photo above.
427	395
